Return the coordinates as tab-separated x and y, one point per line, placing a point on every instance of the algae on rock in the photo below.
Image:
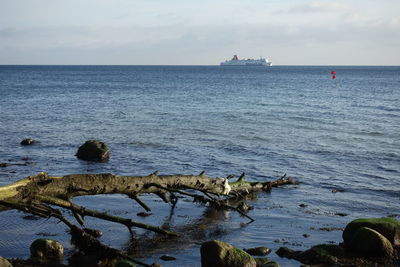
218	253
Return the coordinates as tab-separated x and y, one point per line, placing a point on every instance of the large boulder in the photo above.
388	227
218	253
47	249
93	150
369	243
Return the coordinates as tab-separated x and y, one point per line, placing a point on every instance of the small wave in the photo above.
390	109
387	169
148	144
365	133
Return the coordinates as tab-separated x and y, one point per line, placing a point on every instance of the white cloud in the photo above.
189	32
315	7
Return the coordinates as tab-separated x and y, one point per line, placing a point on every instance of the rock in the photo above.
388	227
221	254
285	252
4	262
167	258
258	251
320	254
369	243
46	249
325	254
93	150
143	214
28	142
264	262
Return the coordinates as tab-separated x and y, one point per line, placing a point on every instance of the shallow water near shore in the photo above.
340	138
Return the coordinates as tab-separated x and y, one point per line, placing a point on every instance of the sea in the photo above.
339	138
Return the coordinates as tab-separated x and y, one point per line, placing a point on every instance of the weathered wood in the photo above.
36	193
69	186
101	215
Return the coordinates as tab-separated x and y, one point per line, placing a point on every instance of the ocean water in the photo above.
339	137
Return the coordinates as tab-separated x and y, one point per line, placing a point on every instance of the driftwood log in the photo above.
47	196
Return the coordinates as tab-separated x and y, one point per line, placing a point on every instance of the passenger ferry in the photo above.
235	61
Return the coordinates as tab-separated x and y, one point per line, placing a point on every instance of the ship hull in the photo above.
246	64
235	61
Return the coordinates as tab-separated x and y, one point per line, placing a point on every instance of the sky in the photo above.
206	32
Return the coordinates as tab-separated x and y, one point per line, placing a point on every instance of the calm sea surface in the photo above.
340	138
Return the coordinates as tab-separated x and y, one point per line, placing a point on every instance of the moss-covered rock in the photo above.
93	150
363	246
46	249
369	243
320	254
264	262
388	227
258	251
4	262
218	253
326	254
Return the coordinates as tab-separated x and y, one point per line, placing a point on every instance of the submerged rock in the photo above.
28	142
218	253
93	150
46	249
167	258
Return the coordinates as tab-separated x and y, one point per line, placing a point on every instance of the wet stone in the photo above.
143	214
93	150
167	258
46	249
28	142
258	251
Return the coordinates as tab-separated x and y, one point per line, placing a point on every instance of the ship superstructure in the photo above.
235	61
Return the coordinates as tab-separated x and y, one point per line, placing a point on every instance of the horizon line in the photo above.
204	65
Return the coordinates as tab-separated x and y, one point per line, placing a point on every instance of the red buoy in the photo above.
334	77
333	72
